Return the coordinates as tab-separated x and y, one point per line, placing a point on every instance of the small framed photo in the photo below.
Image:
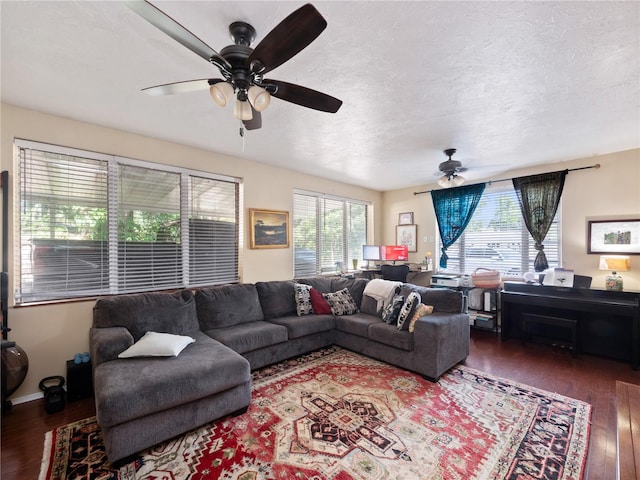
407	235
405	218
614	236
269	228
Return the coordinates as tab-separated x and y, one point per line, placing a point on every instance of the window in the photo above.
327	231
497	238
91	224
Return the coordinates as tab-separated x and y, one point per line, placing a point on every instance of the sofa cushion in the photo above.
442	299
390	335
407	310
303	299
357	324
250	336
226	305
277	298
369	305
320	283
354	285
320	304
135	387
299	327
341	302
148	312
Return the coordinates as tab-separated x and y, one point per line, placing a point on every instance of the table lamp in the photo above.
615	263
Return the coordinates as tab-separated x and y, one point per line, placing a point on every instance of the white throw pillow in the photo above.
154	344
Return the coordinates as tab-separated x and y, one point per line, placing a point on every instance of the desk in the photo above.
608	323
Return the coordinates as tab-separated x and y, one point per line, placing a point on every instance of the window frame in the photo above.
229	187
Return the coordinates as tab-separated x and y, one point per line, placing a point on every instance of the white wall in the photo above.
51	334
610	192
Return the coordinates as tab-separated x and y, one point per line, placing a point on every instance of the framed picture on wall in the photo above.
405	218
407	235
613	236
269	228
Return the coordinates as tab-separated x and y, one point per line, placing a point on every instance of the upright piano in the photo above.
607	322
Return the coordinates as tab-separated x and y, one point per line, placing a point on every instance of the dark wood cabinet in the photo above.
607	322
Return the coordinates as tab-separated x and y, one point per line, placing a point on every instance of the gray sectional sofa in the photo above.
240	327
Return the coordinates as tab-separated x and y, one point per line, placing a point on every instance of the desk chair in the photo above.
396	273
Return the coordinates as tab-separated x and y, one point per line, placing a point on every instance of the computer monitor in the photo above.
395	252
370	253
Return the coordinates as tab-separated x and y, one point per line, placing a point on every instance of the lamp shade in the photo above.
259	98
242	110
221	93
618	263
444	182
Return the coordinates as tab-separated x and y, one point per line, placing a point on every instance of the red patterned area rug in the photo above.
334	414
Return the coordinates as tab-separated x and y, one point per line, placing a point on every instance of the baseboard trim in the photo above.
27	398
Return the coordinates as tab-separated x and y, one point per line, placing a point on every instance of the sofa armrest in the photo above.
106	343
440	341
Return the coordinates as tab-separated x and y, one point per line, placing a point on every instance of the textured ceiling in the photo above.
509	84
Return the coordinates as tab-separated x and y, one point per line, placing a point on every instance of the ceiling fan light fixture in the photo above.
457	180
444	181
259	98
221	93
242	110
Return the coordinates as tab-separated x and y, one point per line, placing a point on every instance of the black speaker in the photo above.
79	383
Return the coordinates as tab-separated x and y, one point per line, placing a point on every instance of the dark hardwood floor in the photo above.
588	378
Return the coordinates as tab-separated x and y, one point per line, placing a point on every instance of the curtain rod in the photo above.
490	182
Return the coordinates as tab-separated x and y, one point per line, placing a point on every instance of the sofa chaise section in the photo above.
143	401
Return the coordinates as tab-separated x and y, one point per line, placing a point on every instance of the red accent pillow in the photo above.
320	305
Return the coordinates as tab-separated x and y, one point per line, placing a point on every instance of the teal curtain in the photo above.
454	208
539	196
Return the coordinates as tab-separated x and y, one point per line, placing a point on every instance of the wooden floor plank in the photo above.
628	430
587	378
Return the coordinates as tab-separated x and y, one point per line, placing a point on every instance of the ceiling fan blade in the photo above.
288	38
304	96
255	123
168	25
181	87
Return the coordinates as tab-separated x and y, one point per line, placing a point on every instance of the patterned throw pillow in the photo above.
422	311
406	312
391	311
341	302
303	299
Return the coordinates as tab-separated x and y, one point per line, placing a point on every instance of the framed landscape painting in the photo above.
269	228
614	236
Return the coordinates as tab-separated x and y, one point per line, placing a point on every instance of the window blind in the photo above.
62	241
213	231
91	224
497	238
327	231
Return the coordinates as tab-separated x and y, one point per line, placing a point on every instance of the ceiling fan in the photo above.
450	168
242	67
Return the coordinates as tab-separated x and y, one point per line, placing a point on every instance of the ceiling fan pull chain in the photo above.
241	131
